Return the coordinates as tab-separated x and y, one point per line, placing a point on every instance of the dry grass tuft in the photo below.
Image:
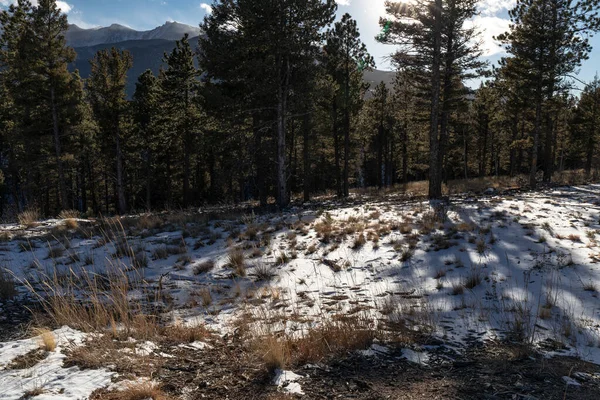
203	267
36	391
47	339
206	297
69	214
263	272
333	338
185	334
405	229
237	261
458	288
359	242
29	218
71	223
590	287
137	391
574	238
473	279
149	222
160	253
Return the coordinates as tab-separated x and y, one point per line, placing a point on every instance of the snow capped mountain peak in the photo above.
115	33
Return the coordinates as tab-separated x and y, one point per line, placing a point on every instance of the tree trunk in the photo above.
336	150
120	179
405	153
591	137
435	176
282	193
446	98
58	153
305	156
536	140
347	133
259	161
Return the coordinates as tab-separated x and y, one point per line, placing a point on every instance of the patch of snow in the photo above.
417	357
287	381
197	345
49	375
570	381
374	350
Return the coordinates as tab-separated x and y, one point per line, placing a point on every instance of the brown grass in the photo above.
203	267
237	261
29	218
71	223
206	297
149	222
47	339
37	391
333	338
574	238
134	391
92	303
184	334
359	242
69	214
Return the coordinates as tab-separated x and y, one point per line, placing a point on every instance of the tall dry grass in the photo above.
98	298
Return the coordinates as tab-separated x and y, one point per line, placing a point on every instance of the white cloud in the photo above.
489	27
62	5
492	7
206	7
343	2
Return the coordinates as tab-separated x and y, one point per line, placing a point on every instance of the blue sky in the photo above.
148	14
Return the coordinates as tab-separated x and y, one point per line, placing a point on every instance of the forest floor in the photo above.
380	297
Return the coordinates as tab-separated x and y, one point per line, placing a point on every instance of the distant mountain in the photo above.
78	37
148	49
147	54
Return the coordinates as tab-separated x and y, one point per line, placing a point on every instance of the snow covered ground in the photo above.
520	266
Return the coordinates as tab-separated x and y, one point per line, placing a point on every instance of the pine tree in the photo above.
146	108
347	58
246	40
106	90
49	57
585	123
46	96
547	42
180	87
436	48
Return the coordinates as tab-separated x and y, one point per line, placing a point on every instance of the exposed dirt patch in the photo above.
28	360
492	371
